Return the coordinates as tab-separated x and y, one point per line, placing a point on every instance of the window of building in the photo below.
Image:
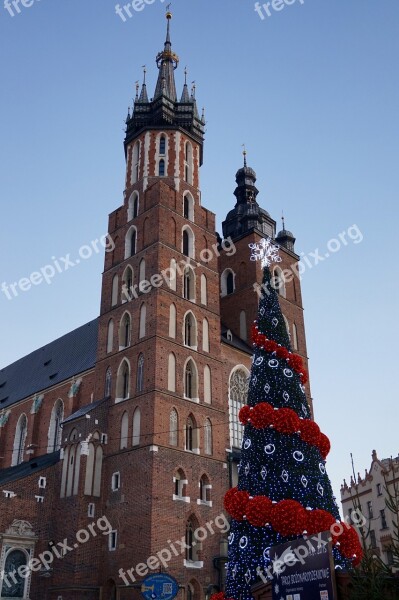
373	541
384	524
188	163
133	206
370	509
136	427
127	285
379	489
180	486
193	546
188	207
205	335
278	282
16	561
125	329
190	331
123	381
191	435
172	279
173	428
110	336
140	374
161	172
390	557
130	242
112	540
227	282
108	383
21	432
295	336
208	437
188	242
162	145
115	290
172	321
143	320
204	290
124	431
116	482
238	392
207	385
172	372
204	491
135	162
54	432
91	510
93	471
191	381
189	284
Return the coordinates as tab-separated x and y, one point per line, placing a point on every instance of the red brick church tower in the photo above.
126	429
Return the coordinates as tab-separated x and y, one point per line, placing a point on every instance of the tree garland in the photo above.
289	518
285	420
294	360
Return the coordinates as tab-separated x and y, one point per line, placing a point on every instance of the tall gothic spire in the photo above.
167	62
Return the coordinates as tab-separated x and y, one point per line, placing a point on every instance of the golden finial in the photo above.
168	13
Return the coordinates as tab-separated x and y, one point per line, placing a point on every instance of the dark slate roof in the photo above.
58	361
236	342
28	468
83	411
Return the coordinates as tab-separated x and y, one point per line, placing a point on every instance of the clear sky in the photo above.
313	92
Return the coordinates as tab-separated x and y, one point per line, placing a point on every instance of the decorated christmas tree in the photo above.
283	490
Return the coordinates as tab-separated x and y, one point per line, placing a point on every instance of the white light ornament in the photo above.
266	252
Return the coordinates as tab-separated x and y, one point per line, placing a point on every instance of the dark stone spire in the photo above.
164	110
286	238
185	97
247	215
167	62
143	94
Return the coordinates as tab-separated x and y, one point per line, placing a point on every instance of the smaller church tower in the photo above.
241	279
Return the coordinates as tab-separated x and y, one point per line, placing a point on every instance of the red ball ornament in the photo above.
310	432
218	596
244	414
262	415
259	511
324	445
282	352
235	503
304	377
270	346
285	420
289	518
318	521
295	361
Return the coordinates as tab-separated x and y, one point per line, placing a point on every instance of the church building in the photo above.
119	439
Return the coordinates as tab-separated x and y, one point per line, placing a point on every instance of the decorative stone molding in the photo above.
4	416
75	388
20	528
37	402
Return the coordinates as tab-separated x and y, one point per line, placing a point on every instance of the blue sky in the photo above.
312	91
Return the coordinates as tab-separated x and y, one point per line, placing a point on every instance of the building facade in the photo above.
371	493
119	440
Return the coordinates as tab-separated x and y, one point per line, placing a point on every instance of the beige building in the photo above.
371	492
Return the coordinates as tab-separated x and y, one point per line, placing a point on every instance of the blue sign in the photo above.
159	587
304	570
